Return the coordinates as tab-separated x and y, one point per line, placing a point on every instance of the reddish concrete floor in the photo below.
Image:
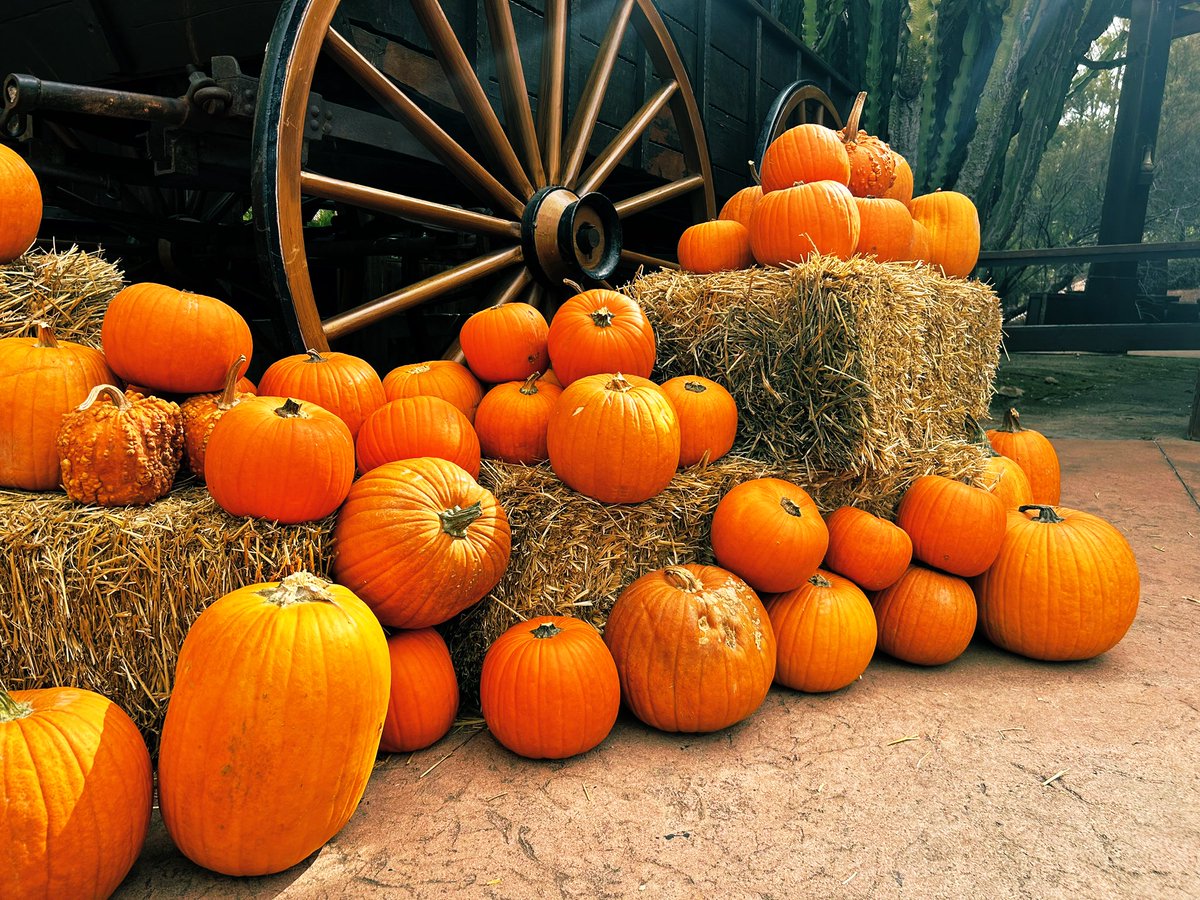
911	783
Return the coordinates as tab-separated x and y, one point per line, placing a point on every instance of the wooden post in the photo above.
1193	432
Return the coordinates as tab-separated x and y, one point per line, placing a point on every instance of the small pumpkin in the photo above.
708	418
75	806
513	419
872	166
280	694
804	154
441	378
926	618
549	688
825	632
614	438
870	551
717	246
420	541
885	229
202	412
954	527
1033	452
417	426
693	646
120	453
1064	586
505	343
953	225
345	385
789	225
275	458
739	207
769	532
600	331
423	700
20	205
902	184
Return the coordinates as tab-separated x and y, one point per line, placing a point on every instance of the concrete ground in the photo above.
993	775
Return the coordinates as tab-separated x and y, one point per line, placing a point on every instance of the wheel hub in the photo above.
567	236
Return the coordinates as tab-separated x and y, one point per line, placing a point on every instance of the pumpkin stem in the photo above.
418	370
115	394
545	630
790	507
1046	514
978	435
602	317
290	410
850	132
457	519
45	335
578	288
1012	422
819	580
299	587
314	356
618	383
10	709
695	387
529	388
681	578
228	398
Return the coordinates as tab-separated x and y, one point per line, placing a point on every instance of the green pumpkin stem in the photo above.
790	507
819	580
10	709
681	578
545	630
1046	514
1012	422
978	435
314	356
695	387
529	388
299	587
115	394
290	410
457	519
45	335
228	398
603	317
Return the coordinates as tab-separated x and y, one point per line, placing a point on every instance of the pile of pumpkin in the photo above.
835	193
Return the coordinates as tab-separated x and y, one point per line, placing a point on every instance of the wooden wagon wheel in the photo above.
799	103
541	214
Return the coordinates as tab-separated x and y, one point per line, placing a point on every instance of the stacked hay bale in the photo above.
70	290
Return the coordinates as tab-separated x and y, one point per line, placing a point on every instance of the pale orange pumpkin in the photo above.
442	378
423	700
513	418
885	229
345	385
953	225
600	332
718	246
708	418
902	185
417	426
505	343
926	618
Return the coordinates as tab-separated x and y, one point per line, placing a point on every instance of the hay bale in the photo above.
70	290
101	598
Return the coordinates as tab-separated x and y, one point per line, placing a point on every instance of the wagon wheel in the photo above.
799	103
539	215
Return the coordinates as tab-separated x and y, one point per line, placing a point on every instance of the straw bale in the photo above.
69	289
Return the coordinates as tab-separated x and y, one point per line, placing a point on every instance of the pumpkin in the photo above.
926	618
790	224
120	453
423	699
693	646
902	184
343	384
75	802
172	340
804	154
417	426
202	412
277	459
739	207
1064	586
600	331
1007	481
614	438
548	377
953	225
20	205
280	695
825	632
41	378
870	551
441	378
717	246
1034	453
549	688
420	541
505	343
954	527
885	229
770	533
919	251
513	418
872	167
708	418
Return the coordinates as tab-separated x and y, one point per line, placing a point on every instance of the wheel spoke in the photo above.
621	144
630	256
482	118
515	94
584	122
427	131
507	291
550	93
641	202
415	294
423	212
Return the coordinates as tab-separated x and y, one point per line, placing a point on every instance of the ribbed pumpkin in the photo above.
739	207
1064	586
420	541
202	412
20	205
825	632
505	343
277	459
600	331
513	418
280	694
1033	452
872	167
171	340
926	618
614	438
789	225
919	251
1007	481
717	246
805	153
870	551
769	532
954	527
41	378
442	378
122	452
708	418
423	700
75	789
953	225
885	229
549	688
343	384
902	184
417	426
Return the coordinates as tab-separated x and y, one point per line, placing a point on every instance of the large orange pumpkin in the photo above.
423	700
505	343
513	418
954	527
442	378
718	246
885	229
20	205
804	154
343	384
1033	452
953	225
75	789
417	426
708	418
926	618
870	551
600	331
280	694
202	412
789	225
693	646
739	207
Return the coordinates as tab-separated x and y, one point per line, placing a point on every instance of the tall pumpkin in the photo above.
20	205
953	225
423	699
75	789
513	418
280	694
417	426
954	527
926	618
805	153
885	229
790	224
505	343
345	385
708	418
600	331
870	551
1033	452
449	381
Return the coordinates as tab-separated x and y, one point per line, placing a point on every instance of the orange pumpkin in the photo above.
441	378
513	419
1033	452
548	377
1006	480
870	551
718	246
708	418
343	384
872	167
885	229
739	207
954	527
919	251
902	184
598	332
505	343
926	618
423	700
953	225
20	205
202	412
417	426
804	154
790	224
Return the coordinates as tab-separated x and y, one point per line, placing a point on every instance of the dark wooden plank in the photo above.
1106	338
56	40
1092	253
733	27
729	86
